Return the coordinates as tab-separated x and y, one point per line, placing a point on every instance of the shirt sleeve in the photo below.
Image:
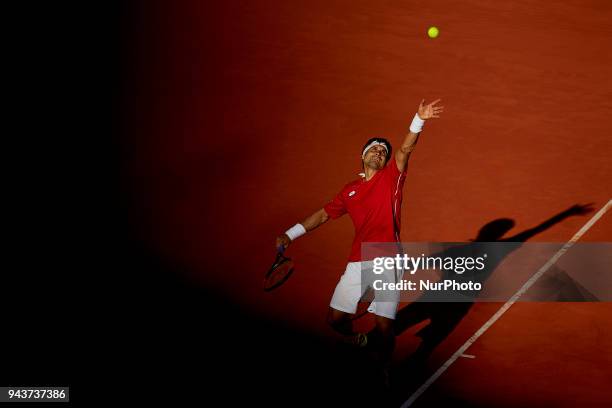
335	208
393	171
395	178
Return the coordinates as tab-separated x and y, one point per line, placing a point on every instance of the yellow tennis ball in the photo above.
433	32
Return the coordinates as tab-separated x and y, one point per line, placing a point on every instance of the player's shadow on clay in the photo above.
445	316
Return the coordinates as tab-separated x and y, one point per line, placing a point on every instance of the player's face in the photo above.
375	157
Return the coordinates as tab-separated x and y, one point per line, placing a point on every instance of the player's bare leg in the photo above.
386	336
342	323
386	339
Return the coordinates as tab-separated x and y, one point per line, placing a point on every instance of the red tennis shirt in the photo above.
370	204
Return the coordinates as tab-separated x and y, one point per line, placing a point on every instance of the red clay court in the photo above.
247	116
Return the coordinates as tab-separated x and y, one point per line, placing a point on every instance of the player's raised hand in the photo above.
430	110
580	209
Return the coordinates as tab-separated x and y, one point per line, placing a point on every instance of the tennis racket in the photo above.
279	272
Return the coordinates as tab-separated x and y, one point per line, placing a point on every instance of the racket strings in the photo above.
278	274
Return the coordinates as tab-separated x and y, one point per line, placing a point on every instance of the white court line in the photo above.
506	306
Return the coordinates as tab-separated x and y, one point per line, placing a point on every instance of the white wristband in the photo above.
417	124
296	231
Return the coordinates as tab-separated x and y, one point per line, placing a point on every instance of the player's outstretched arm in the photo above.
311	222
424	112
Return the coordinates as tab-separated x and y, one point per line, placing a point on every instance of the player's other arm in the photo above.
424	112
311	222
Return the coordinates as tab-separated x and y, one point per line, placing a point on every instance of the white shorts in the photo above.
350	290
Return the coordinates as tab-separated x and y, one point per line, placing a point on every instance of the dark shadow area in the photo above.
170	341
53	180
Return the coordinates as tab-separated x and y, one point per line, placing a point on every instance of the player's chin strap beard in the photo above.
362	174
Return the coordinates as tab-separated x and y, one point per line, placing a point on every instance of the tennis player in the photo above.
374	204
